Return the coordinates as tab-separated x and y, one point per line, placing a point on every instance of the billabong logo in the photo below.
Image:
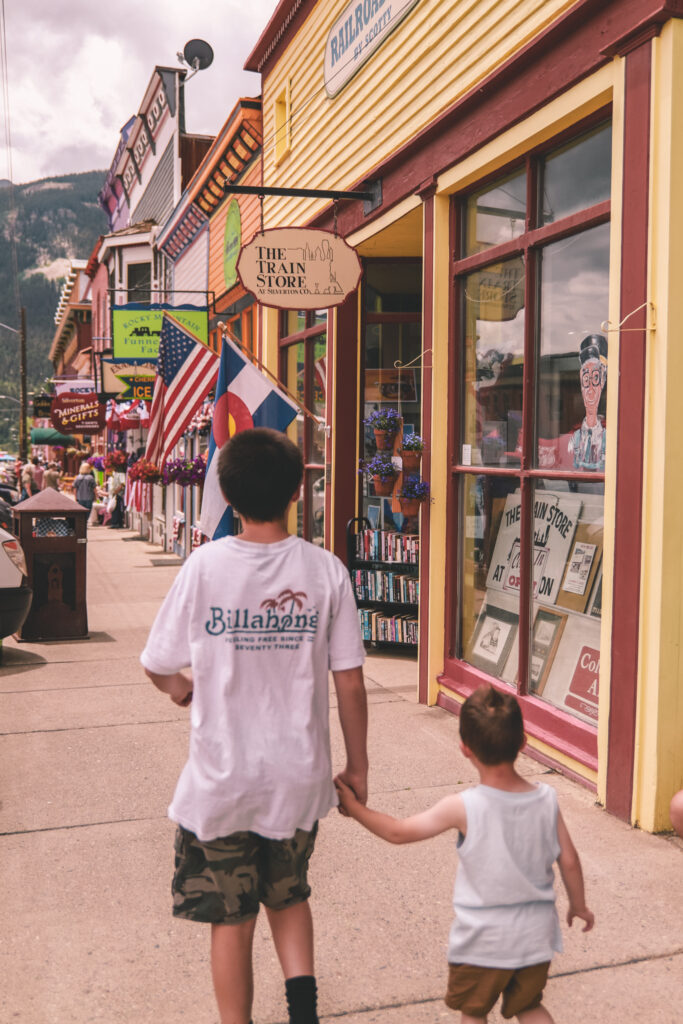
283	614
280	602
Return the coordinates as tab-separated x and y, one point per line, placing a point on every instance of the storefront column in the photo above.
436	262
659	725
342	386
630	431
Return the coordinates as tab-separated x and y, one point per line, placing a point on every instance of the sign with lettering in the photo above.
584	687
77	414
555	518
125	381
232	240
136	330
359	30
299	268
42	406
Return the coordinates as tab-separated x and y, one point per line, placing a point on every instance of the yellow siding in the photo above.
436	55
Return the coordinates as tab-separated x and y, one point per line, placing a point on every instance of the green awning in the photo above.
48	435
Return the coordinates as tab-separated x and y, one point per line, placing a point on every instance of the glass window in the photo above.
493	303
496	214
527	591
576	176
392	288
139	277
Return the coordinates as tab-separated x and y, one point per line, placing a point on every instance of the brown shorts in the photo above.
475	990
224	881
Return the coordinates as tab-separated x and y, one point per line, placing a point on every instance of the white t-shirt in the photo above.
260	625
504	897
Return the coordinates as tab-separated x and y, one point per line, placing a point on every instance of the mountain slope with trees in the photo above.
56	220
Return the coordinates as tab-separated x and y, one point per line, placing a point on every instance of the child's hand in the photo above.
585	915
347	798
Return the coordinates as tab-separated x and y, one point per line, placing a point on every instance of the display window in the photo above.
303	370
531	281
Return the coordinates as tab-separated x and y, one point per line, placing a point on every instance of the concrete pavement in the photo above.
89	755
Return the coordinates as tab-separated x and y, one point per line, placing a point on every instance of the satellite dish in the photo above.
198	54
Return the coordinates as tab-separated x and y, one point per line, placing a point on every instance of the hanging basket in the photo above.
411	461
409	506
384	440
384	486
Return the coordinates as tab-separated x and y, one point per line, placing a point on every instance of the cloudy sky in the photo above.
77	71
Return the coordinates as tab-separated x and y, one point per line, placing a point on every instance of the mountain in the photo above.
57	219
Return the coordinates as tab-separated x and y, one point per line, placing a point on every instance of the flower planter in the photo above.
411	460
409	506
384	486
384	440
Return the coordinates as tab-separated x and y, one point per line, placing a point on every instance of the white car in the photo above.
15	593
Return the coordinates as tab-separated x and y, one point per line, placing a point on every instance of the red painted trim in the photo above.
345	432
331	344
287	19
630	436
427	363
455	320
542	720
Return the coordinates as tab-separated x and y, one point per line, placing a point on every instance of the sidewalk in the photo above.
89	756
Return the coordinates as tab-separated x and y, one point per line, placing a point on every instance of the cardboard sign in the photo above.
299	268
77	414
584	687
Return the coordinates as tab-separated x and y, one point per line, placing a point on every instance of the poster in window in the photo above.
595	607
555	519
582	568
548	627
493	637
584	687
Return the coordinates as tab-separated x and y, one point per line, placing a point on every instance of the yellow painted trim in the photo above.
659	716
583	99
440	474
385	221
609	531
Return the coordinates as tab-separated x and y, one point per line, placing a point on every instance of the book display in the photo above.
383	565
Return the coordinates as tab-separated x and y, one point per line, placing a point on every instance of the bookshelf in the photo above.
383	565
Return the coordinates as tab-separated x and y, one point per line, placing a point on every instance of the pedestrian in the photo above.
676	812
510	833
38	473
84	486
116	485
28	484
51	476
259	618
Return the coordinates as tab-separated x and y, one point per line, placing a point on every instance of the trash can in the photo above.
51	528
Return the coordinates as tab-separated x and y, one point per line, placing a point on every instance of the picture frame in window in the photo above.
492	639
374	514
545	639
595	603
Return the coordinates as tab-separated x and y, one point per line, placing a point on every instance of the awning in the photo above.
48	435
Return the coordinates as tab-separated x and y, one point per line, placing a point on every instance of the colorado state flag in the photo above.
245	398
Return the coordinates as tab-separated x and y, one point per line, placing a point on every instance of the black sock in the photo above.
302	998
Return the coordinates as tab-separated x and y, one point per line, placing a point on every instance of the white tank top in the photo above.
504	899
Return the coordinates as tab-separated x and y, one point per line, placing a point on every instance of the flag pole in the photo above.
225	333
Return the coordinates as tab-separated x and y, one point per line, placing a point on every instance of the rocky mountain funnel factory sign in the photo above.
299	268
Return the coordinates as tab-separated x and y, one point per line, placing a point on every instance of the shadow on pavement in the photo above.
13	660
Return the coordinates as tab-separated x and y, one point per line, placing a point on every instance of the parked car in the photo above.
5	515
15	593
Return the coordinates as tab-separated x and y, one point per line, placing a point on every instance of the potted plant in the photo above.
116	460
411	450
383	473
385	424
412	492
144	470
184	472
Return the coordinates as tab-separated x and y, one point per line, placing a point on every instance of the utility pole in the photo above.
23	440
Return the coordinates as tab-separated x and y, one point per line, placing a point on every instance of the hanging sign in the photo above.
359	30
136	328
127	380
77	414
232	241
42	406
299	268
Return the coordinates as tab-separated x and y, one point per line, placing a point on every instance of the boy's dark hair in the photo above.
259	471
491	725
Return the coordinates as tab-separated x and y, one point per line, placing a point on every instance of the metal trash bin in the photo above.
51	528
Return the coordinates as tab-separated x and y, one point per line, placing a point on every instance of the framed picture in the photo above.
545	639
492	639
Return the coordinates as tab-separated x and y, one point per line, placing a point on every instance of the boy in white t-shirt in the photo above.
510	834
260	618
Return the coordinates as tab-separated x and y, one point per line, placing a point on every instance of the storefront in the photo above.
530	189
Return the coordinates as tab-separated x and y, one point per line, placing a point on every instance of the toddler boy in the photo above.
510	834
260	619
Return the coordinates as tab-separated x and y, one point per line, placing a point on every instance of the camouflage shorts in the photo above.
223	881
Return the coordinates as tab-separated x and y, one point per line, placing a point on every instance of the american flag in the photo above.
186	372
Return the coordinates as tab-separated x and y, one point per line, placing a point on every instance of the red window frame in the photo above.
545	722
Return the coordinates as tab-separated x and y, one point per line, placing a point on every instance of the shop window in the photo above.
304	372
496	214
282	119
532	433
